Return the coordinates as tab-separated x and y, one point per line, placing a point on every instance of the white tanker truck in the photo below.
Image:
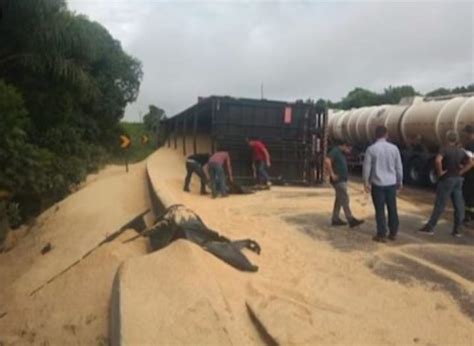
416	125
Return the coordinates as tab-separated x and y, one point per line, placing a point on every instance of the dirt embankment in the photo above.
56	282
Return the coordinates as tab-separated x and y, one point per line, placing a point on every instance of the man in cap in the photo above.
451	163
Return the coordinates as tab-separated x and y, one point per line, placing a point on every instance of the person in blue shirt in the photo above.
383	176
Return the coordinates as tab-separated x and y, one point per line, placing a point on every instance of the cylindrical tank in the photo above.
427	122
337	126
419	123
376	119
424	122
332	116
368	133
464	117
345	125
352	124
361	123
447	117
392	122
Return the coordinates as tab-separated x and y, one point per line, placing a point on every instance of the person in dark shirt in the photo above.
336	166
451	164
468	186
195	164
260	160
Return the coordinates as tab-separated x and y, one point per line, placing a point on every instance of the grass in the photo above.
137	151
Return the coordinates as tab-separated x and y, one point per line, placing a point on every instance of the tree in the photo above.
66	83
153	118
393	95
320	105
38	36
456	90
26	168
360	97
439	92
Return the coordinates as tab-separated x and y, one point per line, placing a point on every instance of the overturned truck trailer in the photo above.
295	134
417	126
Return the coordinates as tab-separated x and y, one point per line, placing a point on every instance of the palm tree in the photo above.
40	36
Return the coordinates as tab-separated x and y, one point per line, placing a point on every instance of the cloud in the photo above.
297	50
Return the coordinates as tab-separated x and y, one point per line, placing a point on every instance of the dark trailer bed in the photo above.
294	133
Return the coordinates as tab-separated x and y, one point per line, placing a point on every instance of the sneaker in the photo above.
338	223
354	223
186	189
204	193
426	230
392	237
456	235
379	239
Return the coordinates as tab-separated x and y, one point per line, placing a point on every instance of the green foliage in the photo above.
393	95
13	214
64	85
360	97
25	166
138	151
439	92
457	90
4	228
320	105
153	118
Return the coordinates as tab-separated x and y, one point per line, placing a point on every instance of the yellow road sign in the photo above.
126	141
145	139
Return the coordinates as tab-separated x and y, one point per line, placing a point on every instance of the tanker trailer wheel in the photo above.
432	175
415	170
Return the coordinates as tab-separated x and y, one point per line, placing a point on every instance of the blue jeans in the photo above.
194	167
262	175
385	196
217	176
448	187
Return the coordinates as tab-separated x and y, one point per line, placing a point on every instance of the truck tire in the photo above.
416	170
432	176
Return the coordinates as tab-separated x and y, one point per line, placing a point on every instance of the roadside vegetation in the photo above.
140	148
64	85
360	97
146	137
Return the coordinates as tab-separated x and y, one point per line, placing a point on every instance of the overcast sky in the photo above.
298	50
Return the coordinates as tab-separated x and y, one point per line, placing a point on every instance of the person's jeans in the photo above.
448	187
468	192
385	196
194	167
342	200
262	175
217	175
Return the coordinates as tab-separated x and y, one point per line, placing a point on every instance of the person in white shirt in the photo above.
383	176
